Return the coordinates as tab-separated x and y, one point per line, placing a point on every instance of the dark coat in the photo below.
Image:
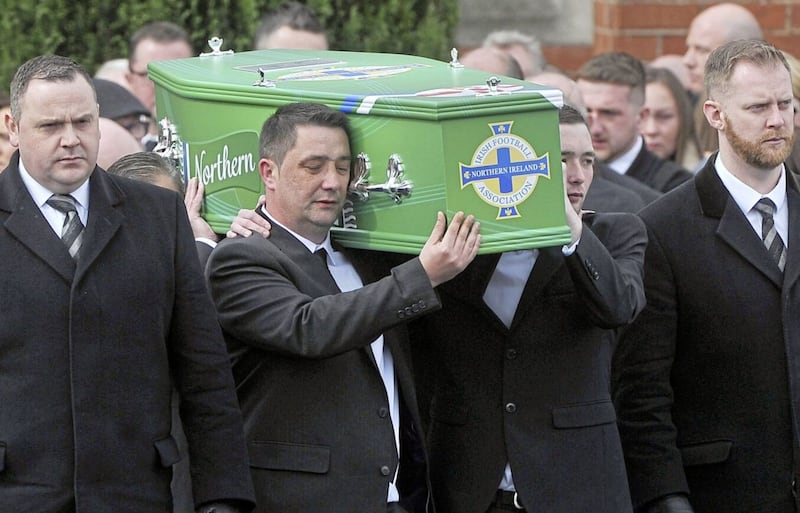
607	196
535	395
645	193
706	378
660	174
314	405
88	355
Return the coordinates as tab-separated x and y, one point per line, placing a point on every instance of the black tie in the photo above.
72	229
322	254
772	241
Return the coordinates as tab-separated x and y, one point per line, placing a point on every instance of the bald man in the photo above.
572	95
712	28
493	60
115	142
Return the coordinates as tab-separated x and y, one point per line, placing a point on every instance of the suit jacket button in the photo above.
385	471
511	408
401	314
383	412
422	304
511	354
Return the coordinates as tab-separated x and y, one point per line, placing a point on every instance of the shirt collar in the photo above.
744	195
310	245
622	163
41	194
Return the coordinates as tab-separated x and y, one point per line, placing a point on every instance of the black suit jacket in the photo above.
88	355
645	193
706	378
315	408
660	174
607	196
535	395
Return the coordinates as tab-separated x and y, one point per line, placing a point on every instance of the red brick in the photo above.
568	58
793	15
601	14
789	43
657	16
673	44
603	43
771	16
644	48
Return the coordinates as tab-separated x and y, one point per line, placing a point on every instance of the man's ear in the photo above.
268	171
714	115
13	129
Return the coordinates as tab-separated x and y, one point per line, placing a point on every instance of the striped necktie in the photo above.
72	228
772	241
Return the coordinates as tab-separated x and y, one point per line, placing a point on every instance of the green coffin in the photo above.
438	137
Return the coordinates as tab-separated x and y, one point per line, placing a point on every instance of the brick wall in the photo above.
649	28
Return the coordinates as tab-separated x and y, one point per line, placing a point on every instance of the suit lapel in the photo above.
480	273
792	270
547	264
27	224
299	253
105	218
471	285
733	228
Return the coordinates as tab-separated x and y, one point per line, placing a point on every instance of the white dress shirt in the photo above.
622	163
746	198
41	194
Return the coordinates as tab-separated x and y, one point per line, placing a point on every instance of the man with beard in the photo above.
705	377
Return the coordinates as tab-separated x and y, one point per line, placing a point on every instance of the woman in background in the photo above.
794	65
666	122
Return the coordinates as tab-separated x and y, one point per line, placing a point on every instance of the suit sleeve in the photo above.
263	301
209	409
606	269
642	390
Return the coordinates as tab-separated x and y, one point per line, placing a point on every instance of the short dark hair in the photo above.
279	132
288	14
569	115
615	68
160	31
51	68
723	60
146	166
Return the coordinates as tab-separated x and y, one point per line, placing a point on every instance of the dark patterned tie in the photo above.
769	234
72	229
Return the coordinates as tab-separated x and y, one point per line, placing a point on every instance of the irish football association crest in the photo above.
504	170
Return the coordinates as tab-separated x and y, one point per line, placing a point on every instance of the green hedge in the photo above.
93	31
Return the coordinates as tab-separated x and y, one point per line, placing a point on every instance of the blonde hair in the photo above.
794	70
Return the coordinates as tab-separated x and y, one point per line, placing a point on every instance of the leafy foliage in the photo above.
93	31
